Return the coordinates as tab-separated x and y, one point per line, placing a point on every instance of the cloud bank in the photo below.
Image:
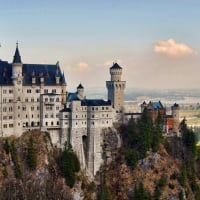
171	48
83	67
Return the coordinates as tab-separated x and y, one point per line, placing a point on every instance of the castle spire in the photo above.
17	57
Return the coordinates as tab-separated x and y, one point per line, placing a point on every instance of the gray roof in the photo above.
115	66
72	96
17	57
5	73
32	70
95	102
80	86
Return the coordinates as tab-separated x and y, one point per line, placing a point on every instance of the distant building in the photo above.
170	122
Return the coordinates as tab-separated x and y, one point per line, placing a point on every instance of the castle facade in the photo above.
34	96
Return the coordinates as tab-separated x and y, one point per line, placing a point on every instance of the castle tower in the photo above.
175	115
116	88
17	91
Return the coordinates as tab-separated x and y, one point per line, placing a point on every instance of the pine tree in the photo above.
6	146
31	155
69	165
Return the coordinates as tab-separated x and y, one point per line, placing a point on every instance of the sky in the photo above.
157	43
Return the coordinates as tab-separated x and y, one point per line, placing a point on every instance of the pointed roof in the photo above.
115	66
63	79
17	57
80	86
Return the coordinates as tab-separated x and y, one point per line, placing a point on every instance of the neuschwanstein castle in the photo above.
34	96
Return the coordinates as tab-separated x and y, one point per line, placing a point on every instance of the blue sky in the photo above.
156	42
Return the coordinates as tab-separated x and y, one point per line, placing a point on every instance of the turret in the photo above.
116	88
80	91
115	72
17	67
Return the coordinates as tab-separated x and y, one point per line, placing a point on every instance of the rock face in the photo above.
43	182
157	166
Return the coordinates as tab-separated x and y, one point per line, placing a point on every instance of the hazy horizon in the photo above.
156	42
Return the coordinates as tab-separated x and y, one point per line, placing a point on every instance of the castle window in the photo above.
4	109
51	123
57	107
52	116
51	99
32	116
18	124
32	99
57	122
102	108
10	117
106	108
5	126
32	108
38	116
10	91
38	99
24	108
4	117
46	116
37	90
26	116
4	91
10	100
11	125
19	115
92	116
66	116
107	115
46	123
57	115
18	107
96	108
46	99
54	91
26	100
57	99
45	91
4	100
76	116
28	90
38	108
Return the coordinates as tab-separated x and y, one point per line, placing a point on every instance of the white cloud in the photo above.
83	67
171	48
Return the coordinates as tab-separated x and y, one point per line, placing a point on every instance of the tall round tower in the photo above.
116	88
175	115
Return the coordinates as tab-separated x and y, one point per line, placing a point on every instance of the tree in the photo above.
31	155
14	157
69	165
6	146
131	157
146	127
